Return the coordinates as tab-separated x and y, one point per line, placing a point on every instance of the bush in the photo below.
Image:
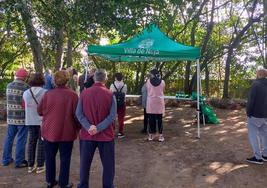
3	84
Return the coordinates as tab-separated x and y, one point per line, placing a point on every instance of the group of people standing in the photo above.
51	113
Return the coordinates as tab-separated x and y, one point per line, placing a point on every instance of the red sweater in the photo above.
58	110
96	103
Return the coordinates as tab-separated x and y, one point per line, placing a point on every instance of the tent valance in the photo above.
150	45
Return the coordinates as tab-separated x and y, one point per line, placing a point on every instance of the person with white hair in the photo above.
257	118
96	111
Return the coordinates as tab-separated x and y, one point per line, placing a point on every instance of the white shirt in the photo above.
31	115
119	85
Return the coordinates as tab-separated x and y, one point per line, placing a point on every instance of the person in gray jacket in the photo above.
144	99
257	118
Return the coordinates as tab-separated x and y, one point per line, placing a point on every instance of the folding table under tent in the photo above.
151	45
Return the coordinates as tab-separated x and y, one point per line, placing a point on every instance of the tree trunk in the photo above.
227	74
59	47
114	70
32	36
207	79
192	85
187	75
203	51
142	79
188	65
69	53
206	41
136	84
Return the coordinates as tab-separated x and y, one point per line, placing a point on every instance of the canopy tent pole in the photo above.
198	93
86	66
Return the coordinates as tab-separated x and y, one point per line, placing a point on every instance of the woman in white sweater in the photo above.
31	98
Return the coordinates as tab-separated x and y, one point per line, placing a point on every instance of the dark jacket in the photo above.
85	84
257	99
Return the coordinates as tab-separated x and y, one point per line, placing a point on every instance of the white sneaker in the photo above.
121	135
161	138
40	169
31	169
150	137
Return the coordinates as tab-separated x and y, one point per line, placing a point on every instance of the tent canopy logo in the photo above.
146	43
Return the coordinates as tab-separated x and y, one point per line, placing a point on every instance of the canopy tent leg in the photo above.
198	93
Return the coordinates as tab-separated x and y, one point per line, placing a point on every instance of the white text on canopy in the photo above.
141	51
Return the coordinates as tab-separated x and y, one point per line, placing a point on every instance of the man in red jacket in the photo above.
96	111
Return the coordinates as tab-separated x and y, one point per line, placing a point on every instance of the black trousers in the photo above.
65	150
35	139
146	120
154	120
107	156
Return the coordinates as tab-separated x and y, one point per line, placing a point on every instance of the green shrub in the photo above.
3	84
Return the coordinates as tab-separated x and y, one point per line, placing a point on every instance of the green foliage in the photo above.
13	47
87	21
3	84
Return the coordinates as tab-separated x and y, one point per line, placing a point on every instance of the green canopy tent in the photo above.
150	45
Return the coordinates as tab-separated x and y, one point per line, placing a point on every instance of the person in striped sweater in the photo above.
16	121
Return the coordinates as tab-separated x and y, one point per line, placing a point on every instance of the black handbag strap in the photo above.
33	96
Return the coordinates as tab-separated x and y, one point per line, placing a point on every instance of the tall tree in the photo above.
187	86
31	33
210	26
237	37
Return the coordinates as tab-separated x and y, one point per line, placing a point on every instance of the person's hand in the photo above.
92	130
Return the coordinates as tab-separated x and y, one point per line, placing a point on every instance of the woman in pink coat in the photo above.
155	104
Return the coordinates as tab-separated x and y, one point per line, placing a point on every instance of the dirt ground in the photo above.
215	160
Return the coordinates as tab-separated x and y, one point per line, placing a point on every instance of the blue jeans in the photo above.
12	131
257	134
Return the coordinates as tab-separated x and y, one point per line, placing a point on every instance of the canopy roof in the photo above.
150	45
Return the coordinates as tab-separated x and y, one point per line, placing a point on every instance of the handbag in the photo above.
33	96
